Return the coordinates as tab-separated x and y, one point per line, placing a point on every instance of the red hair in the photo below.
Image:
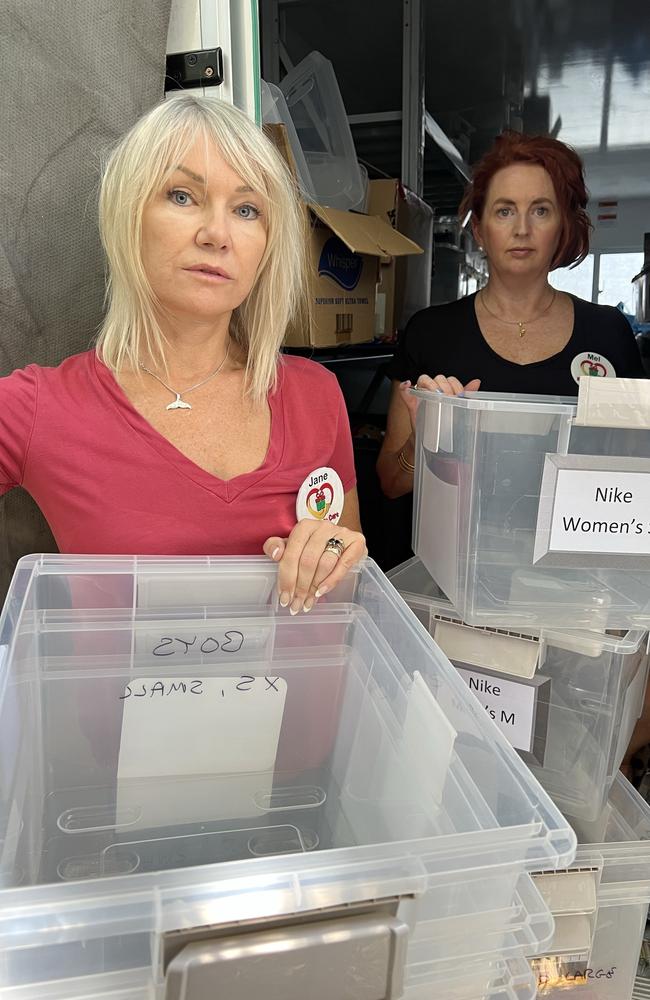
566	171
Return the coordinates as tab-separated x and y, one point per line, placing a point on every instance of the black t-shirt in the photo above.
447	340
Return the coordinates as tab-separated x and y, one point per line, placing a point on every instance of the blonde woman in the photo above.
185	431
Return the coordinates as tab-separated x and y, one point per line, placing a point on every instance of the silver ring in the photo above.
336	546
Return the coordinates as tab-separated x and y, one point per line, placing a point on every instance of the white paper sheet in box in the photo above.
217	736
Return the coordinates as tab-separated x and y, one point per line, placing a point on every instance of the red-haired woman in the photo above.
518	334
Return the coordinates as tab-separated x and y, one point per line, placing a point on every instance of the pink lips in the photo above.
207	271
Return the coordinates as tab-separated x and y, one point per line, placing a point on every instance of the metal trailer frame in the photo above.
417	122
233	26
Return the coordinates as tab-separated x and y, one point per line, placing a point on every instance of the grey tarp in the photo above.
75	74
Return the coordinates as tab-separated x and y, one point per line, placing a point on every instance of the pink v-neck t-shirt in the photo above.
107	482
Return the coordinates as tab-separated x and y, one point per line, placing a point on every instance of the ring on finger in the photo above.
336	546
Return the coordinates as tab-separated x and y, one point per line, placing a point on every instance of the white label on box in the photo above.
601	512
184	725
219	735
511	704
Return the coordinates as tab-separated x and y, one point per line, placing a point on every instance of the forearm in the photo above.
350	517
394	468
641	734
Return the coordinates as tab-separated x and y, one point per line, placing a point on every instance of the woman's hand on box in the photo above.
447	384
305	570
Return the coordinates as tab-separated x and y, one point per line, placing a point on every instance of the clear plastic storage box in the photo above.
191	778
600	905
510	979
526	519
316	107
567	700
464	957
276	112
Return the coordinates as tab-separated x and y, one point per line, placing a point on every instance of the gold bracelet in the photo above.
404	463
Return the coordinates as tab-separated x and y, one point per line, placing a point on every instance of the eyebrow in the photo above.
509	201
190	173
243	188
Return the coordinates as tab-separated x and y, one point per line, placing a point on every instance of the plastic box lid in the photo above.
316	107
509	978
524	927
276	112
611	866
506	402
600	904
422	594
621	836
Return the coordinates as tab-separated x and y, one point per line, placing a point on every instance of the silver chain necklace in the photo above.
179	403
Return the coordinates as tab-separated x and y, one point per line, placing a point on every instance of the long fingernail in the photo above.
295	606
308	605
284	599
321	591
274	554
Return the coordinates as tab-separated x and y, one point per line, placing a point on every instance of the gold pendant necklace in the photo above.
520	323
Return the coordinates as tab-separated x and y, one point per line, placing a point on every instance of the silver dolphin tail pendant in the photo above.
178	404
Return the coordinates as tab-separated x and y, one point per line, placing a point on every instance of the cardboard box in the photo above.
404	283
345	249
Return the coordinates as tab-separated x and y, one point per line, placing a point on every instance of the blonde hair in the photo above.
136	170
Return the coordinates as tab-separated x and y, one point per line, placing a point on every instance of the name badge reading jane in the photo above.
321	496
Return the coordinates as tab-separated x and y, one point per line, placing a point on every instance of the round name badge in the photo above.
321	496
591	365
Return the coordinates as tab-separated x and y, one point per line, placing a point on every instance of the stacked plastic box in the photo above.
504	489
600	905
526	518
202	795
568	700
533	523
439	962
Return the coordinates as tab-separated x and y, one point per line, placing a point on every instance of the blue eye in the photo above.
248	212
503	212
179	197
